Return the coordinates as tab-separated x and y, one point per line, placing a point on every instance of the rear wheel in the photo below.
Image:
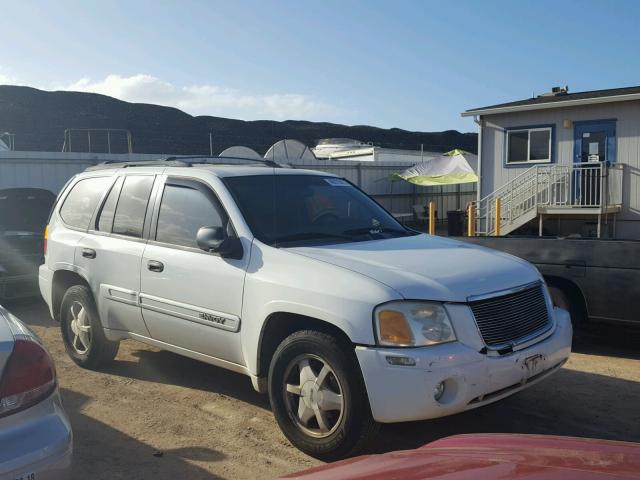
82	332
318	396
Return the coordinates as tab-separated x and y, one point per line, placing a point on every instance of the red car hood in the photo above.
493	456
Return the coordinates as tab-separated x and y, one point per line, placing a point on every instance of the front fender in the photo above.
278	281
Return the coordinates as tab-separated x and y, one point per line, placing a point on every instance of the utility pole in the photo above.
211	143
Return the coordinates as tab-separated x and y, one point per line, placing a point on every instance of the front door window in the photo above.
594	146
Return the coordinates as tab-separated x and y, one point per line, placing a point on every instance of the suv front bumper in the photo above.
471	379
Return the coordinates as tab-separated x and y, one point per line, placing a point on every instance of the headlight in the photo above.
412	324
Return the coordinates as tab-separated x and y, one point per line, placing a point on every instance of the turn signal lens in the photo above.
394	328
46	237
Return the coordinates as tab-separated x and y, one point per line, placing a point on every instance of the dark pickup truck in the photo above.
23	216
594	279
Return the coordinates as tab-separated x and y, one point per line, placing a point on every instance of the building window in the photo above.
531	145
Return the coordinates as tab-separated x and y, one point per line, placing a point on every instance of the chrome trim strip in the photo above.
501	293
128	297
191	313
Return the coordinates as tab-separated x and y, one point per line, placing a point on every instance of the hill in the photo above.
39	118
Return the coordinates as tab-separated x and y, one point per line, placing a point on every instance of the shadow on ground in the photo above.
569	403
621	341
101	452
172	369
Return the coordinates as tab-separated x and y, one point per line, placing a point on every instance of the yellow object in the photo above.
394	328
471	220
432	218
498	216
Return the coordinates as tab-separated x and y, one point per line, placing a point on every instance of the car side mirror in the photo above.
216	239
210	239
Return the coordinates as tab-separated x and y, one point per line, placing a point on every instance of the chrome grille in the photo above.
512	317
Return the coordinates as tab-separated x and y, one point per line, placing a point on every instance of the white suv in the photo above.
302	282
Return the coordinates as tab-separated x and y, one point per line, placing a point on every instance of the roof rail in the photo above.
141	163
176	162
269	163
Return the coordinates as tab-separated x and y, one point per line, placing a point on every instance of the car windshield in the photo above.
25	209
287	209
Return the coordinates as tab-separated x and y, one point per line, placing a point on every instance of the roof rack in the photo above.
174	162
140	163
269	163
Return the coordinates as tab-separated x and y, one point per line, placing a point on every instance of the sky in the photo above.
407	64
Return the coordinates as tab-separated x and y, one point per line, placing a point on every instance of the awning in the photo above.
456	166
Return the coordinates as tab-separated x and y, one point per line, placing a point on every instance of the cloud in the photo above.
5	78
208	99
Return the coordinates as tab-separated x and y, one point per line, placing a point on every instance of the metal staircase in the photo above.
578	189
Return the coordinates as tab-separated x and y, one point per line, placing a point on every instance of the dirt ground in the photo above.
156	415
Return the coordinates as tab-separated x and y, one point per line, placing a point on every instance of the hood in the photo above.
531	457
427	267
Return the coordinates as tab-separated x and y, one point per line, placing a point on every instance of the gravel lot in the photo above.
156	415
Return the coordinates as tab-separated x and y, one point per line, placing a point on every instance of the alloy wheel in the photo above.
80	328
313	396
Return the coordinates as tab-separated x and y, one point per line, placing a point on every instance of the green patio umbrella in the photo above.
456	166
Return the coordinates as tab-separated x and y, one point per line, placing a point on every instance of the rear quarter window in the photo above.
82	200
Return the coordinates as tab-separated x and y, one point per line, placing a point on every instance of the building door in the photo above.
594	144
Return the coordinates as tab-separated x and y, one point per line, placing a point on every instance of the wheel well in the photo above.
62	281
279	326
573	293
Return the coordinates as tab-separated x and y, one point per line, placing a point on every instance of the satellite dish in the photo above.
3	147
289	151
240	152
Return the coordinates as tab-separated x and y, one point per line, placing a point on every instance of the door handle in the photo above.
155	266
88	253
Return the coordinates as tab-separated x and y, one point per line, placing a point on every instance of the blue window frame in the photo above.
529	145
603	132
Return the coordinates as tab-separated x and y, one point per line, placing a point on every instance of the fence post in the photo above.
498	217
471	220
432	218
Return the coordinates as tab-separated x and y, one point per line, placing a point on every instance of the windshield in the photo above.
25	209
284	209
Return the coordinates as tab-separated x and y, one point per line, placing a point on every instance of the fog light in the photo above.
403	361
438	391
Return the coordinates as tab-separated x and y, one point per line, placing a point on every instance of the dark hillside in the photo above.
38	119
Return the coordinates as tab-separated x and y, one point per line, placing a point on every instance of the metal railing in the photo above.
549	187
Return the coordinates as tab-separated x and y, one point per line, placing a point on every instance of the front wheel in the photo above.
318	396
82	331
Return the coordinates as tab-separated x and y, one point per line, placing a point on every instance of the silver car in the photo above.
35	434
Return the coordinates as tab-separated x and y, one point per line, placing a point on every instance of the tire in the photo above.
563	299
295	396
84	338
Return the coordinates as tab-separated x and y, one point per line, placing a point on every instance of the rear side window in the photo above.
183	211
132	206
82	201
105	219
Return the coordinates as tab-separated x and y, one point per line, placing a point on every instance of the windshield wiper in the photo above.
375	231
311	236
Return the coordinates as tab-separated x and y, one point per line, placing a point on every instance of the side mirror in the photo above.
215	239
210	239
